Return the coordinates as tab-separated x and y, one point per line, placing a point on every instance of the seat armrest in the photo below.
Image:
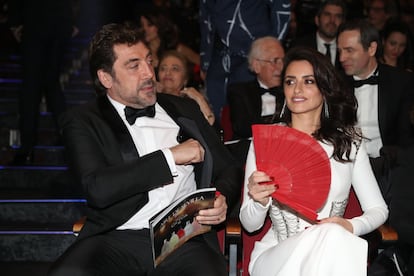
388	234
77	226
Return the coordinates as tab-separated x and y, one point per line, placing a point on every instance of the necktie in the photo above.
328	51
132	114
371	81
271	91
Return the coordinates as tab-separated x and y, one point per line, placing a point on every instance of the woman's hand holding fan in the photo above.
259	192
297	163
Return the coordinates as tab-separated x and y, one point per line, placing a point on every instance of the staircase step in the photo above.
57	180
24	268
17	213
12	104
38	203
42	155
36	246
45	136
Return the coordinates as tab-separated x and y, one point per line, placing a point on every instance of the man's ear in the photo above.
372	49
255	66
316	20
105	78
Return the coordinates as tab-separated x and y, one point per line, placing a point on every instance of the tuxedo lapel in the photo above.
189	127
383	101
255	99
110	115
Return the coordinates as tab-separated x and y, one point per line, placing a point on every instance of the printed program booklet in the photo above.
176	224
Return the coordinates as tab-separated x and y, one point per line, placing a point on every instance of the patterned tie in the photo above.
132	114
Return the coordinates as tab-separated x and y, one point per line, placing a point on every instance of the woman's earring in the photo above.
282	112
326	110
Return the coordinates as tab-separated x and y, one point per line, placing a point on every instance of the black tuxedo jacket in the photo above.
309	40
395	98
245	103
116	179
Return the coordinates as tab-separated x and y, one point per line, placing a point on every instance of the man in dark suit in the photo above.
330	15
44	28
257	101
132	167
385	95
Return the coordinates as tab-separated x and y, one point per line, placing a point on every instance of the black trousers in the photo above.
129	253
43	49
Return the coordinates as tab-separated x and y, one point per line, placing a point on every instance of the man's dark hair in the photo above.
367	31
101	48
339	3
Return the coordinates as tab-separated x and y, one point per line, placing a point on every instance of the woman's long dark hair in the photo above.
167	30
336	128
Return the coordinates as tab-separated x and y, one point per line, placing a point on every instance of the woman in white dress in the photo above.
317	103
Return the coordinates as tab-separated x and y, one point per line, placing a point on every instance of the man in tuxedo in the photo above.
124	149
385	95
256	101
330	15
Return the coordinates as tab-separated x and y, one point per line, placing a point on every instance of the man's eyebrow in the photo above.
129	61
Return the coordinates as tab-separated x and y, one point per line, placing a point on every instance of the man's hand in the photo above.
188	152
215	215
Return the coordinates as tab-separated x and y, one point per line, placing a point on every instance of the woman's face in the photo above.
394	45
171	74
301	91
151	31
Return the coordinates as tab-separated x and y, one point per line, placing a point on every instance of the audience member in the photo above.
227	30
379	11
319	105
256	101
45	28
397	45
305	11
407	13
161	34
173	77
330	15
384	94
131	168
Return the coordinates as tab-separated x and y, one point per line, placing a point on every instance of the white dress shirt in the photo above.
149	135
320	44
268	101
367	115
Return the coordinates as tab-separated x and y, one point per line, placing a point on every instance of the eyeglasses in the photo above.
274	61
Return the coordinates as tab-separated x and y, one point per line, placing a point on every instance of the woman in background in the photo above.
319	105
162	35
397	45
173	77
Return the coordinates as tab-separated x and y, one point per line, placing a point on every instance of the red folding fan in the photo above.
297	163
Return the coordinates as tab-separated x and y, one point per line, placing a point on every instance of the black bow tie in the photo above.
271	91
373	80
132	114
